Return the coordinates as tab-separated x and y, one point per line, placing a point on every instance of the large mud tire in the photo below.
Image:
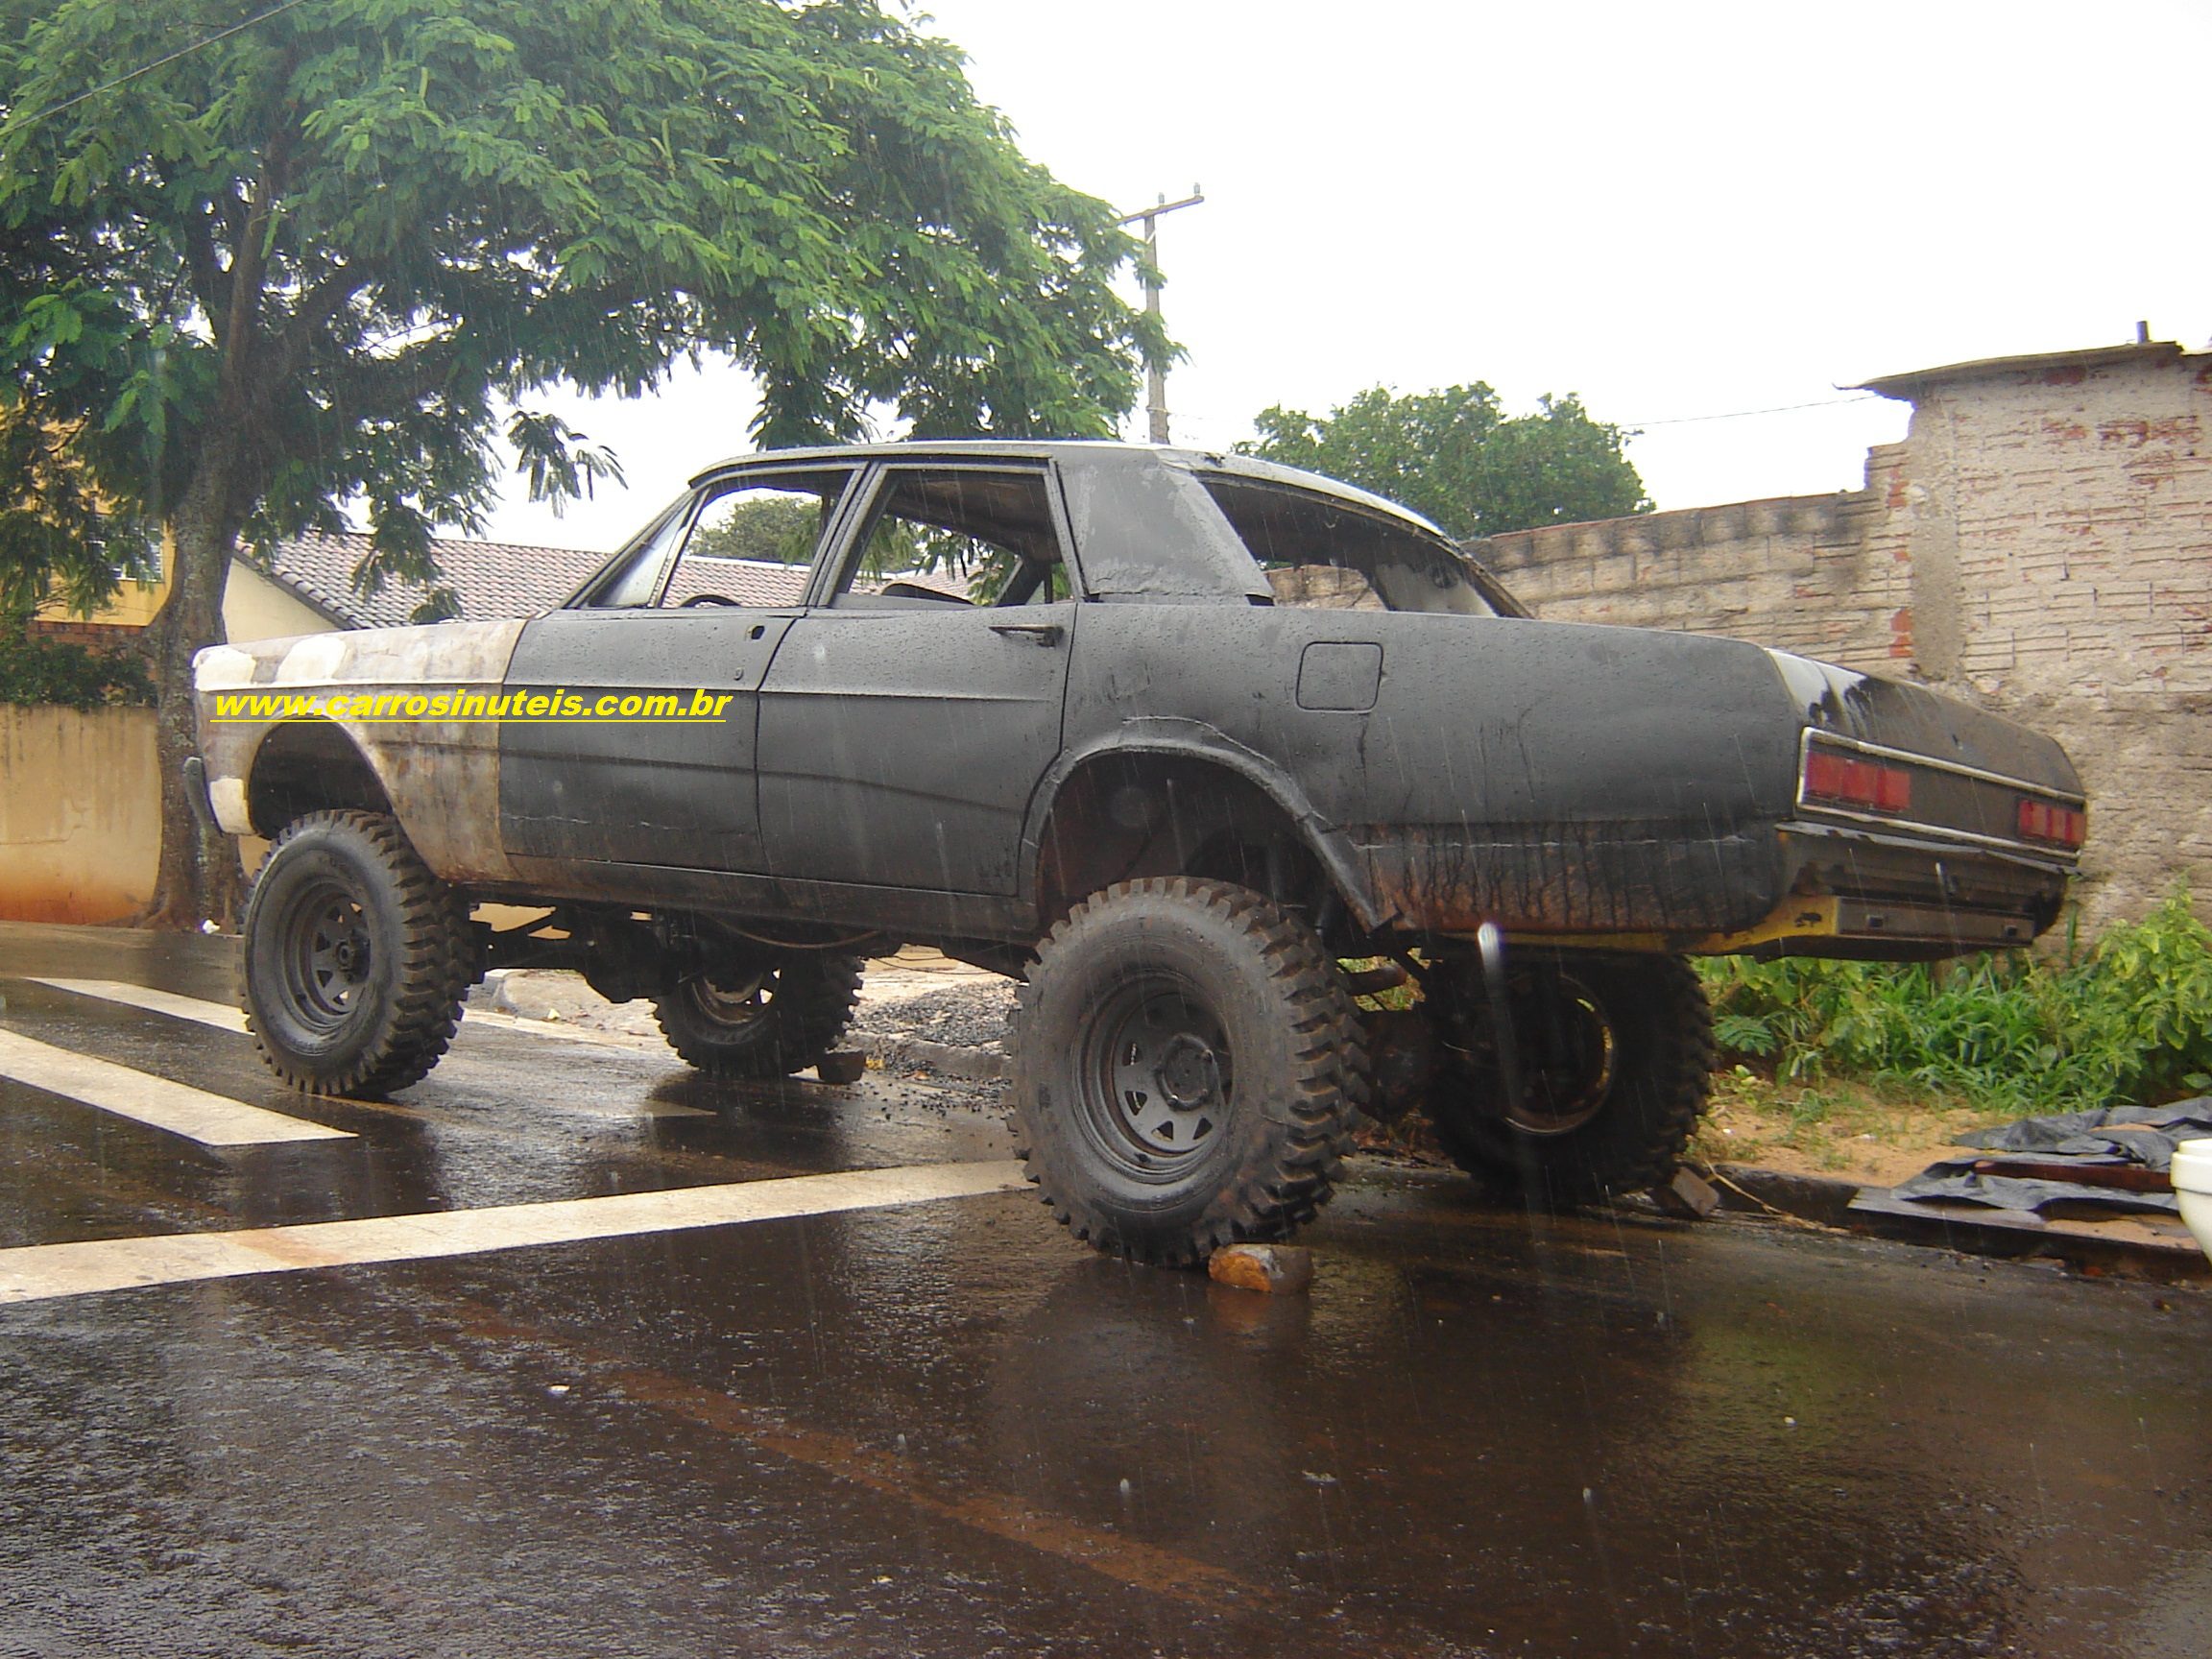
356	959
1615	1057
765	1025
1185	1066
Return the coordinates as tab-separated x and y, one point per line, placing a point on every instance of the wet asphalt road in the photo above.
945	1430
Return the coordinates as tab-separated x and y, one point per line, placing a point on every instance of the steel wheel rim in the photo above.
1155	1076
328	958
1568	1053
733	1005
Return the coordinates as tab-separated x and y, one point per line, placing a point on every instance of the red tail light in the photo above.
2048	822
1845	780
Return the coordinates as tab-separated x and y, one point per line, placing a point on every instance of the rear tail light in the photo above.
1847	780
2052	824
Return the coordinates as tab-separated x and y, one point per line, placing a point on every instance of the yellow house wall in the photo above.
79	813
80	801
255	607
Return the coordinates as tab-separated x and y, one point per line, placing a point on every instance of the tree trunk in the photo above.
198	877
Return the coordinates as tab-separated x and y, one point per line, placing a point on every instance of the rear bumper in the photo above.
1798	889
1893	894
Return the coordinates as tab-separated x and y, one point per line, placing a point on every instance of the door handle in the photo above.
1036	633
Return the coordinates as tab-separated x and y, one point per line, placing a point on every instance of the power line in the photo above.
54	109
1741	413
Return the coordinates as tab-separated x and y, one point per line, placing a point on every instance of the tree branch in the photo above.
317	306
249	268
206	267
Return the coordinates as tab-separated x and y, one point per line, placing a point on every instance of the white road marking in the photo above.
44	1272
219	1015
226	1018
212	1119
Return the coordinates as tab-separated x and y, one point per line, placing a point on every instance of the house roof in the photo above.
494	580
1905	384
491	579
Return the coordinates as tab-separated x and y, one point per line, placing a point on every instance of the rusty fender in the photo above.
1569	878
442	777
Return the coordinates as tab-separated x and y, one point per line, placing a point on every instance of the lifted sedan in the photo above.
1206	752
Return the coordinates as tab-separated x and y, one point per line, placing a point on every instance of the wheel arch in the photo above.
309	766
1165	804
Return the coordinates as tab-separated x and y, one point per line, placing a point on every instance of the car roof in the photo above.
1074	451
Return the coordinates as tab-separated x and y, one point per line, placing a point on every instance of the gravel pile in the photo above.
962	1015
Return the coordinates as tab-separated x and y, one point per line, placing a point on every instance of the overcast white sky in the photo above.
1675	210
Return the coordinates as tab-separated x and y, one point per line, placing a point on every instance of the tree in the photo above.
1455	456
258	268
773	530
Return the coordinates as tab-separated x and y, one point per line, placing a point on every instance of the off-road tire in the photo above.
1235	1011
1660	1028
782	1022
355	957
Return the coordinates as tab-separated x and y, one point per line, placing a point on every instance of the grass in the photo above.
1869	1070
2126	1022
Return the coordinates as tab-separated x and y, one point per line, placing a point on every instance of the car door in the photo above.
632	712
909	717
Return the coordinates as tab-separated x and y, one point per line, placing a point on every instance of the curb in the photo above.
950	1059
1748	1189
2127	1246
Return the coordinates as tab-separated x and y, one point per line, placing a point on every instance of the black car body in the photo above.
1184	668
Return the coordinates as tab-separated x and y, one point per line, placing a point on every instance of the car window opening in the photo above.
1331	554
749	543
959	537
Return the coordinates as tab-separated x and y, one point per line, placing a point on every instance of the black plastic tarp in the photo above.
2141	1137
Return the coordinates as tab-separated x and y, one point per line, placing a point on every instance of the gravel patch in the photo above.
959	1016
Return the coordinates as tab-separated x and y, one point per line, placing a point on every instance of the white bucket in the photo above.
2193	1186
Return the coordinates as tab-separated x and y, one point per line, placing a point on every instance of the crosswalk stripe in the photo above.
212	1119
220	1014
45	1272
228	1018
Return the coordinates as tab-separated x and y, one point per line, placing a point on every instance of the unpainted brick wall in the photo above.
2075	503
2040	543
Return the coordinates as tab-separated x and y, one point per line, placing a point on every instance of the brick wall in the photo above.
2040	543
2060	535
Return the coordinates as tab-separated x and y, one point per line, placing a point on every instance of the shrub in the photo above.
2128	1021
41	671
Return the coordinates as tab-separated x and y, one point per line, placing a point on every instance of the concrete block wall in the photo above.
1797	571
2060	529
2040	542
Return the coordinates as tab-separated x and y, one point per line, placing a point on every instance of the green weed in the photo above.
2126	1021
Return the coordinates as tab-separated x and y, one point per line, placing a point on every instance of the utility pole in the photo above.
1156	373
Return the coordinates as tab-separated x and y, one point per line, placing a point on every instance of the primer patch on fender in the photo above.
313	661
220	666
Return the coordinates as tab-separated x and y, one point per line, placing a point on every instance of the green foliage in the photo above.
57	540
301	265
35	672
777	530
2128	1021
1454	455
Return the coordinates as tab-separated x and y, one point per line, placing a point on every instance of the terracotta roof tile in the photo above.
499	579
491	579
